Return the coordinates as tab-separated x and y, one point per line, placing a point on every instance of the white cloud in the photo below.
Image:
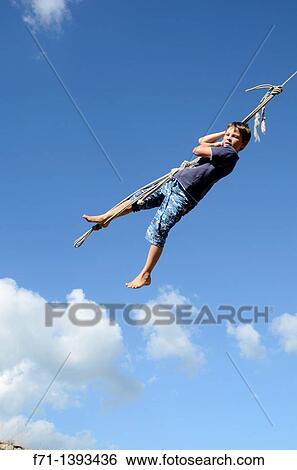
31	354
42	434
248	341
173	341
285	327
45	13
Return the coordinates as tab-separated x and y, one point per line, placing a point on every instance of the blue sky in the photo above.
150	78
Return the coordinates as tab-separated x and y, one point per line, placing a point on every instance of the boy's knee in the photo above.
155	238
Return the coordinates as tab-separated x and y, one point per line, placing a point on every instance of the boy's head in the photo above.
237	135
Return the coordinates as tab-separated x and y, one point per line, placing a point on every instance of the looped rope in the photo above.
274	89
260	111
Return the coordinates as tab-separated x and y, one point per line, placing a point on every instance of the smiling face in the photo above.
233	137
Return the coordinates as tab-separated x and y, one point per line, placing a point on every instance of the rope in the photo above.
142	193
260	119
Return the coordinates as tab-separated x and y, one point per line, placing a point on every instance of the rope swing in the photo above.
142	193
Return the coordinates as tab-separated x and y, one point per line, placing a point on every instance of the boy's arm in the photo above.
211	138
204	150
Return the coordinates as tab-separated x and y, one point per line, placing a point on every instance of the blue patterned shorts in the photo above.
173	203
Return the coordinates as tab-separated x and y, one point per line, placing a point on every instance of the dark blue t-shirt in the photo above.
199	180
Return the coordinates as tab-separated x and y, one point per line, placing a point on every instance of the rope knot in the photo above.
185	164
260	111
276	90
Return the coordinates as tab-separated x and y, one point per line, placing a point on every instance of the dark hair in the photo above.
244	130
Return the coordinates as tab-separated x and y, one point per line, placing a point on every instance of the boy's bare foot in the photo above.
143	279
97	219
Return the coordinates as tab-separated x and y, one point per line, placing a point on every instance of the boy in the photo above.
181	194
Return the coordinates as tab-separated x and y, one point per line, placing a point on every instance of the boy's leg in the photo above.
102	218
144	277
155	200
174	206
